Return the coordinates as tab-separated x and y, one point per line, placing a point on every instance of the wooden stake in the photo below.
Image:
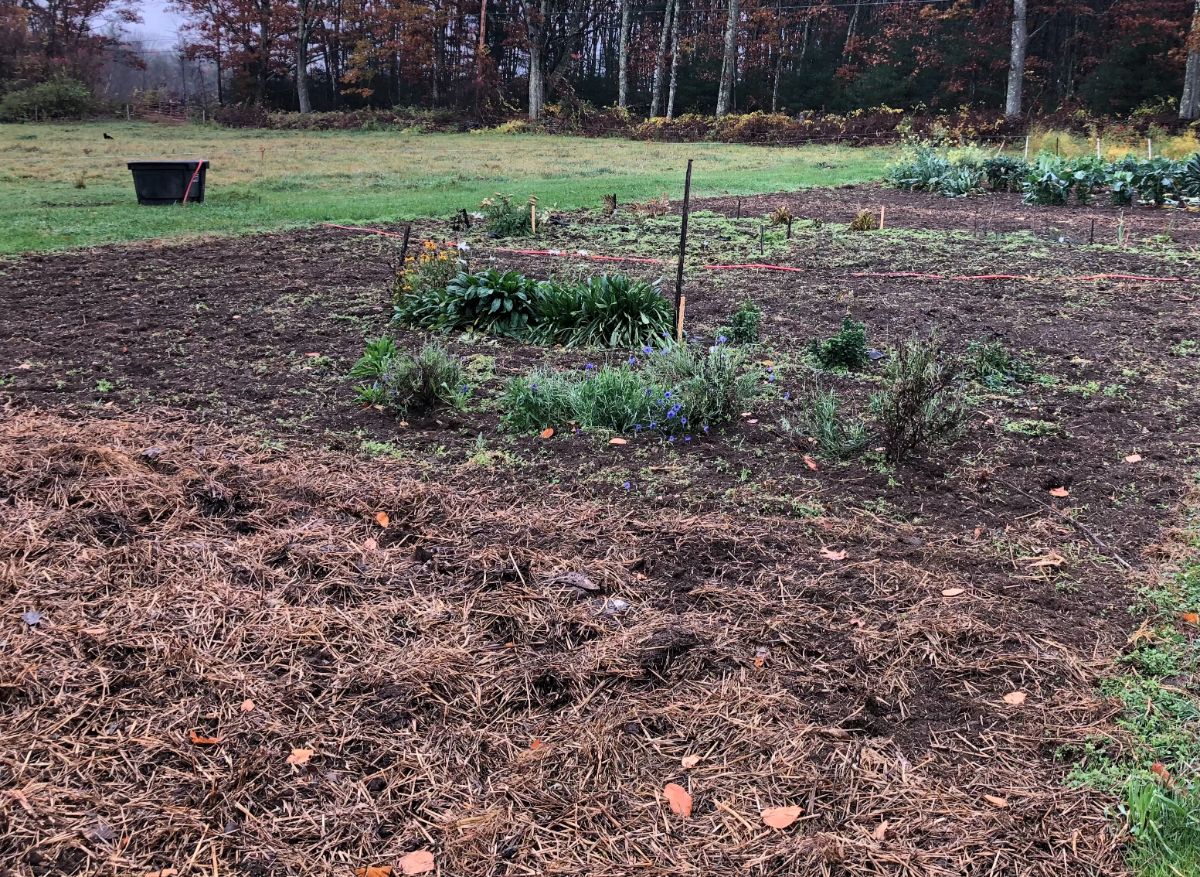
1149	147
533	213
683	230
739	209
1027	147
679	321
1097	148
882	211
466	217
1092	232
1056	152
762	232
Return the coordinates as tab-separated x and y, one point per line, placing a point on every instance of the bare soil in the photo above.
188	500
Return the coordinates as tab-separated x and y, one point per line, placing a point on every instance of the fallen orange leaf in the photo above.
165	872
996	800
618	441
371	544
1015	698
1051	558
419	862
300	756
1134	458
830	554
689	761
780	817
811	463
679	799
382	519
953	592
879	832
1059	491
201	740
374	871
1160	770
536	743
247	705
1190	618
547	432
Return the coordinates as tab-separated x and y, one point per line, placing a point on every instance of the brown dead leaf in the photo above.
201	740
374	871
996	800
830	554
953	592
835	733
879	832
536	743
300	756
760	656
247	706
382	519
689	761
780	817
811	463
679	799
1015	698
1059	492
548	432
418	862
1134	458
371	544
164	872
618	441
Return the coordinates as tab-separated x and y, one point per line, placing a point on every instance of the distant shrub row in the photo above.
1050	179
60	98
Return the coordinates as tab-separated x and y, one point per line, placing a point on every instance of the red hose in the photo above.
195	174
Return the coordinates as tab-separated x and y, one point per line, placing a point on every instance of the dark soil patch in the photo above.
716	543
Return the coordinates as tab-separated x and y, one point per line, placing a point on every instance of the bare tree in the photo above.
675	16
1016	64
303	32
729	62
623	57
1189	103
660	63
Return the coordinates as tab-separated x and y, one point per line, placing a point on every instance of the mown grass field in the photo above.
64	186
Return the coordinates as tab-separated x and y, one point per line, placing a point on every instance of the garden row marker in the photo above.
882	208
687	201
1150	147
761	235
1026	147
533	213
1097	148
1092	231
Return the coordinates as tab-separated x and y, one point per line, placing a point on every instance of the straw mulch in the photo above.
215	659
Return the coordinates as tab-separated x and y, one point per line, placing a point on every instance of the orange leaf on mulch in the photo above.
780	817
300	756
418	862
374	871
1059	491
201	740
679	799
546	433
382	519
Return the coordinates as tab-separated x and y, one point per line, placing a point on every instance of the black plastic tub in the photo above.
166	182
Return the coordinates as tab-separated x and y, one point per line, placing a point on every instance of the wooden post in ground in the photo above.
404	252
683	230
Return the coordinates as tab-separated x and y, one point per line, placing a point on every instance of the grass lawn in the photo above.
66	186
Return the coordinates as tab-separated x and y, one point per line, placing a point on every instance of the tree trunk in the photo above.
623	57
850	29
1189	103
660	63
1016	64
302	32
778	71
264	51
729	62
675	16
536	25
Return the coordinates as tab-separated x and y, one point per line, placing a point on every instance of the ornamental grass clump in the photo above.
399	381
674	390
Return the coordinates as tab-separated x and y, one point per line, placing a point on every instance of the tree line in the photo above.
654	57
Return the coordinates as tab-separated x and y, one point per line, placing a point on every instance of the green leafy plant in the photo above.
821	419
1004	173
401	381
489	302
674	390
743	324
608	310
990	363
503	218
1049	181
920	404
845	350
57	98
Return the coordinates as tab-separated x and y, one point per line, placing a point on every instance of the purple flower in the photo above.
633	360
627	486
589	367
